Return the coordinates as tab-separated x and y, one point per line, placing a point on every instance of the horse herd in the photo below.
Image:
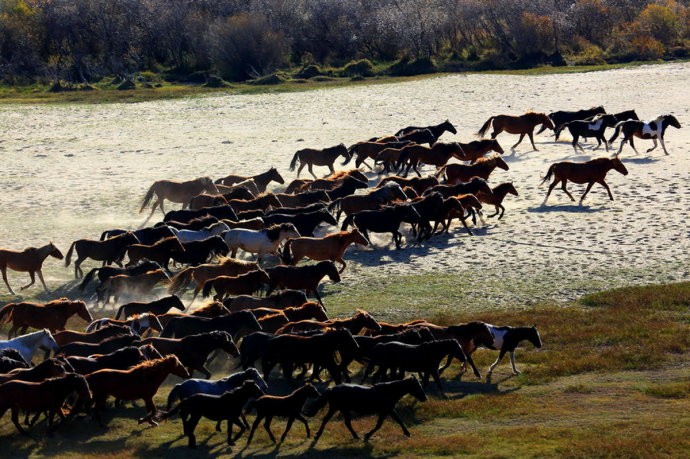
260	315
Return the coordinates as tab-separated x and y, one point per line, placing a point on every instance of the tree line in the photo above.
81	41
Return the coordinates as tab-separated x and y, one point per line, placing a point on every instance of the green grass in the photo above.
610	381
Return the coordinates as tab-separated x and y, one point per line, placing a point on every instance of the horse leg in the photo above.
347	418
40	277
575	145
4	277
512	363
151	412
493	215
608	190
397	419
437	380
33	279
522	136
551	187
566	191
589	187
254	426
531	139
189	428
632	144
287	429
342	262
655	145
311	171
464	223
493	365
379	423
299	169
503	209
318	297
663	145
330	166
15	421
329	415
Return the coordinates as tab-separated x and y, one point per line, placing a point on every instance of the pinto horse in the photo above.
290	406
330	247
378	399
506	339
645	130
180	192
476	149
437	130
590	172
595	127
483	167
28	260
156	307
202	273
523	124
29	344
302	277
311	157
260	180
561	117
498	194
260	242
108	251
385	220
52	315
139	382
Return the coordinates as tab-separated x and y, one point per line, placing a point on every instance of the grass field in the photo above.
611	380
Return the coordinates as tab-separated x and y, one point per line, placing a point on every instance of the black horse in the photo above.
436	130
198	252
184	215
419	136
233	323
384	220
348	187
305	223
473	186
561	117
146	236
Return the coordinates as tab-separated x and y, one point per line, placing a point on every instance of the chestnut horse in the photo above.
52	315
523	124
260	180
202	273
279	300
370	201
476	149
180	192
311	157
590	172
330	247
70	336
355	324
498	194
160	252
28	260
645	130
483	167
244	284
302	277
438	155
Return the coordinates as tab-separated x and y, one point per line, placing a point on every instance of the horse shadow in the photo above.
381	255
646	160
570	208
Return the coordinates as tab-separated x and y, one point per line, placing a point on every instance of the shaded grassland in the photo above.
612	379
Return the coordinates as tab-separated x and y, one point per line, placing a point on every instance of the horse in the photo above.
302	277
107	272
365	150
28	344
256	223
202	273
431	207
506	339
408	335
156	307
117	286
208	200
212	309
370	201
589	172
160	252
52	315
108	251
498	194
147	236
260	180
262	202
327	183
226	407
70	336
295	210
384	220
378	399
438	155
199	235
454	207
28	260
260	242
193	350
234	323
290	406
349	186
244	284
476	149
483	167
475	185
305	311
45	396
559	118
180	192
437	130
355	324
11	359
304	223
330	247
420	185
595	127
311	157
49	368
184	215
523	124
193	224
392	159
120	359
139	382
418	136
137	323
103	347
654	130
279	300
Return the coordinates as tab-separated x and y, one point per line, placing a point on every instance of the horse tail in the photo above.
181	280
315	407
549	173
172	396
347	222
95	325
68	257
286	256
441	171
120	310
293	163
334	205
616	131
148	197
485	127
163	415
104	235
6	313
208	286
87	278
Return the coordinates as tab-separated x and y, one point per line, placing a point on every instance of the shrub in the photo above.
309	71
589	54
362	67
407	67
268	80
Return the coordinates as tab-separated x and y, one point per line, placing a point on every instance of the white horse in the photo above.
189	236
138	323
260	242
28	344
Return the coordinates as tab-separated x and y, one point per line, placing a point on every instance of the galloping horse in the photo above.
160	252
260	180
385	220
506	339
199	235
483	167
498	194
595	127
370	201
370	149
559	118
591	172
523	124
181	192
438	155
326	157
157	307
645	130
302	277
30	259
244	284
259	242
28	344
116	286
474	150
52	315
202	273
330	247
137	323
437	130
108	251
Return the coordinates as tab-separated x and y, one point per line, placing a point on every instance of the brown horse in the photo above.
207	200
476	149
108	251
244	284
70	336
212	309
498	194
311	157
523	124
52	315
28	260
420	185
372	200
180	192
355	324
202	273
290	406
142	284
120	359
590	172
260	180
279	300
309	310
454	207
139	382
483	167
438	155
160	252
262	202
330	182
302	277
330	247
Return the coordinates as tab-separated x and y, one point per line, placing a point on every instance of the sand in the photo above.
72	171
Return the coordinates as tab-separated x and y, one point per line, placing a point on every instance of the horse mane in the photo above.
209	308
151	364
502	186
235	261
273	232
336	235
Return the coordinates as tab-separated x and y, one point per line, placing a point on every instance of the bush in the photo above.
590	54
126	85
362	67
214	81
268	80
407	67
309	71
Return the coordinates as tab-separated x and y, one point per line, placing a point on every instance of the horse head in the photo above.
415	388
500	163
357	237
328	217
408	213
149	352
546	121
495	146
208	185
534	337
82	311
254	375
367	320
47	341
224	340
288	231
618	165
448	126
275	175
330	270
55	252
670	120
174	366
